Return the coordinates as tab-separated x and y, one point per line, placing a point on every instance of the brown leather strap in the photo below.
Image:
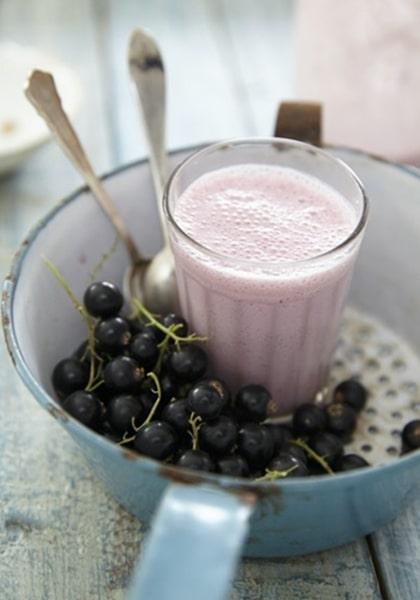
300	121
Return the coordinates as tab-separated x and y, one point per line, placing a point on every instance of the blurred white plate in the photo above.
21	129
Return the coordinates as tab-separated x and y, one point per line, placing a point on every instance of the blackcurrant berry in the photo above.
308	419
219	436
122	410
341	419
187	364
411	435
137	325
280	434
144	350
123	374
255	444
234	465
197	460
165	361
351	392
85	407
207	399
147	398
296	451
69	375
327	445
106	430
169	387
220	387
177	414
153	332
103	299
82	353
285	461
348	462
112	335
251	403
156	439
173	319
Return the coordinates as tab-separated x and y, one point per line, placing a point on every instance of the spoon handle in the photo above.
42	93
148	73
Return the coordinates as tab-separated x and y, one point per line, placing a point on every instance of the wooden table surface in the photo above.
229	62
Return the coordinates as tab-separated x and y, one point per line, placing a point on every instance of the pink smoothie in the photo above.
270	314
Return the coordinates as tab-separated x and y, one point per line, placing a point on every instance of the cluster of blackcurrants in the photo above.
143	382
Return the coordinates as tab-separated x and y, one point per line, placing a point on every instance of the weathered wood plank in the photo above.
204	102
66	31
397	552
343	573
46	490
61	536
261	37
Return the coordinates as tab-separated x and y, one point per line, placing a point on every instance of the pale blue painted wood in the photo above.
261	38
64	30
205	101
397	548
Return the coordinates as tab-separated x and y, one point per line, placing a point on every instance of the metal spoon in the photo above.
41	91
157	286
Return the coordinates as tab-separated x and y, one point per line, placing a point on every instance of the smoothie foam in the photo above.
264	213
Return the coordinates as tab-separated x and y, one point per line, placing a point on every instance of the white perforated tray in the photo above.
381	360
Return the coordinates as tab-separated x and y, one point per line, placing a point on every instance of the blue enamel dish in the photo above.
202	523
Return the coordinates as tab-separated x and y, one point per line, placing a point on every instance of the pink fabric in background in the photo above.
362	60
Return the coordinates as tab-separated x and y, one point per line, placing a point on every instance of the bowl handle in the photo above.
300	121
194	546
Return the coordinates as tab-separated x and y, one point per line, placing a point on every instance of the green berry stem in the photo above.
83	312
157	391
139	308
319	459
163	346
126	439
94	385
273	475
133	424
55	271
195	421
104	257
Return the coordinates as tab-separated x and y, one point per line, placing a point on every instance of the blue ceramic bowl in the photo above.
206	518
